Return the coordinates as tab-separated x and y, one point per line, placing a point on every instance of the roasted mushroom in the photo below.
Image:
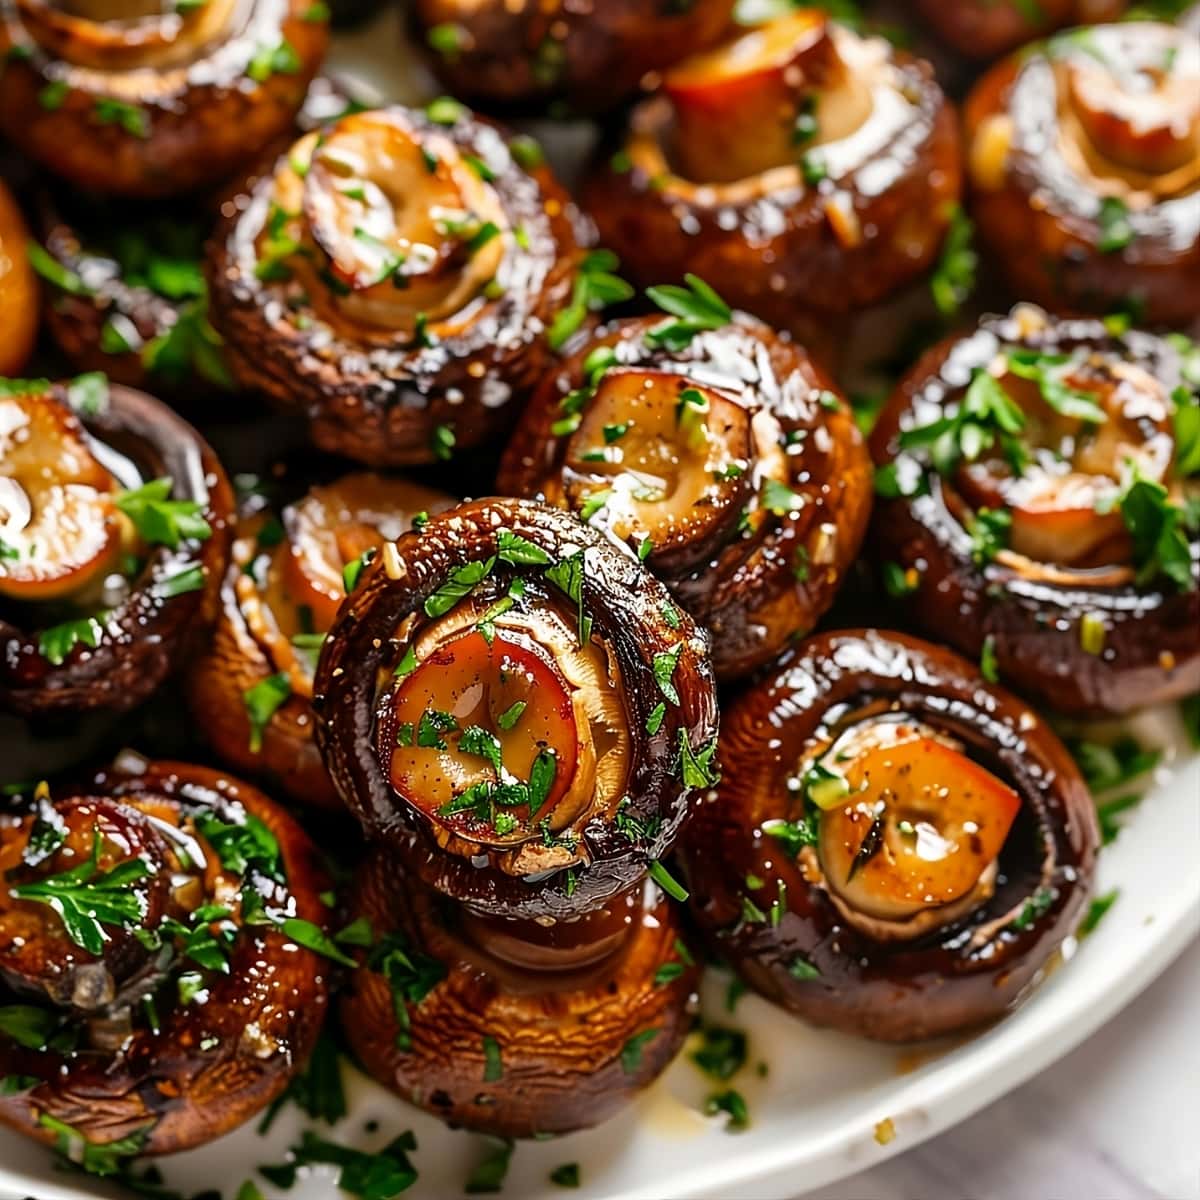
801	169
145	98
251	688
896	848
986	28
1039	507
1084	160
113	539
18	288
521	717
393	280
514	1027
518	707
594	55
721	456
152	964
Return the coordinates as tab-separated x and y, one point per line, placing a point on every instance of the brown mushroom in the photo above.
250	690
896	848
803	170
18	288
987	28
511	1027
113	537
393	280
141	98
517	707
1084	156
124	281
727	464
498	52
152	924
1038	506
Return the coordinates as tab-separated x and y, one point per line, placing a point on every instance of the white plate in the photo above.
815	1114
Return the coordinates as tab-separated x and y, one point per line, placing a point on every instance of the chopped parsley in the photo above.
693	309
1096	912
160	521
953	279
57	642
595	287
721	1053
631	1052
262	701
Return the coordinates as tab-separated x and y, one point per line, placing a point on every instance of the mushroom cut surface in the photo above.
519	707
151	99
251	688
804	170
1038	498
114	532
715	451
1084	161
897	847
153	924
392	279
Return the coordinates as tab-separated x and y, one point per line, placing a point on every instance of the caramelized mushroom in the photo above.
113	536
393	280
149	923
144	98
518	707
986	28
512	1027
18	288
803	170
1040	506
495	51
124	282
1084	156
896	848
726	463
251	689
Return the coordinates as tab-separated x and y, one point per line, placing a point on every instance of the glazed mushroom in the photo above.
18	288
113	538
499	52
152	930
518	707
1084	159
124	283
513	1027
897	848
1039	507
802	169
251	689
986	28
522	719
721	457
142	98
393	280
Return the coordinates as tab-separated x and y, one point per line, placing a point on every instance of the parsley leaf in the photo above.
693	309
595	287
160	521
262	701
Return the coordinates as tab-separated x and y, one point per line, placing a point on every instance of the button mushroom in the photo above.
251	688
394	279
797	154
725	462
1037	481
140	925
150	99
1085	156
896	848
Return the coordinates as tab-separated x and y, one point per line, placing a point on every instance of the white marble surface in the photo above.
1118	1119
